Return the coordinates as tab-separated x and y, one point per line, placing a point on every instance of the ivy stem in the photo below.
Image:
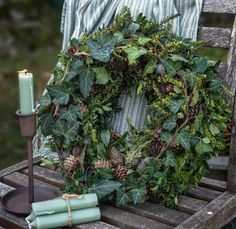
187	119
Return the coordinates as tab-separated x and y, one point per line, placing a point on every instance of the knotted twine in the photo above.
67	198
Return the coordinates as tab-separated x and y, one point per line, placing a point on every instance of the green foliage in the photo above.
187	113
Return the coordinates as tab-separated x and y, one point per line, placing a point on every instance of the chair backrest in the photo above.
224	38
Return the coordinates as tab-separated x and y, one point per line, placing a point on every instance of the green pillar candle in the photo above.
62	219
26	92
60	205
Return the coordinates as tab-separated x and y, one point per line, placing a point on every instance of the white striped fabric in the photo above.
88	15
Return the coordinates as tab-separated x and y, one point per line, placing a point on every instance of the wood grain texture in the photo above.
129	220
214	215
190	205
204	193
95	225
4	189
157	212
217	185
231	62
215	37
219	6
48	176
17	167
20	180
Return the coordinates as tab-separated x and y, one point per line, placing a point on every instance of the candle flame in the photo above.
23	71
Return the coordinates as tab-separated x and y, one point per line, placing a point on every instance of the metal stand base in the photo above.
17	201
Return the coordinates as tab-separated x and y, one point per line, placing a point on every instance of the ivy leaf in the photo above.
170	123
76	63
214	129
119	36
203	147
198	121
60	94
70	114
138	195
201	64
102	75
195	97
105	173
165	136
135	52
46	122
45	101
86	76
206	140
169	67
191	77
70	75
175	57
105	136
170	160
101	150
104	187
183	139
122	198
150	67
175	105
67	131
102	48
143	40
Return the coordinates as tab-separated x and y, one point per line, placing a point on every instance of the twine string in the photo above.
67	198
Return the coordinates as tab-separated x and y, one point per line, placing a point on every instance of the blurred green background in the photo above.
30	38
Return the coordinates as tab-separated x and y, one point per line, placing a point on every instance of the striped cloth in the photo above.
79	16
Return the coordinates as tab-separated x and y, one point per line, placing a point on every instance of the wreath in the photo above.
187	113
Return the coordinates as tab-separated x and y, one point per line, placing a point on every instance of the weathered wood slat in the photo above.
213	184
17	167
157	212
219	6
20	180
204	193
231	63
190	205
6	219
214	215
95	225
4	189
128	220
215	37
47	175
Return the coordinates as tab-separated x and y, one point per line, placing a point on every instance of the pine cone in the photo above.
138	69
155	147
70	164
117	63
72	50
195	110
102	164
114	136
121	173
153	195
83	107
116	157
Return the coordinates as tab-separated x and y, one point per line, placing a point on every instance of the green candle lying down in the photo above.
62	219
60	205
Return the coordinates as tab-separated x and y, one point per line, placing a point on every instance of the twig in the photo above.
81	54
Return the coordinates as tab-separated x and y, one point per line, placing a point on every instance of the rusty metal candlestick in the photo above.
28	130
19	200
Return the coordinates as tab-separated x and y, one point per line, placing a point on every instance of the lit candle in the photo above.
26	92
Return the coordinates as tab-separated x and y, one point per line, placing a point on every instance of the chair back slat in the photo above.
215	37
219	6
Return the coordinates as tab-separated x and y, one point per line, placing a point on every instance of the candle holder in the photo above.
19	200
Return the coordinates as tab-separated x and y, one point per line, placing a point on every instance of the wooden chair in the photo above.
211	205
